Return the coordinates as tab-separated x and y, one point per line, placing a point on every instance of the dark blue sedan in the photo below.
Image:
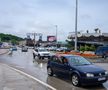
77	68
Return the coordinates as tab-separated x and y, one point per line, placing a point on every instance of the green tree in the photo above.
8	37
70	44
87	48
82	48
92	48
13	41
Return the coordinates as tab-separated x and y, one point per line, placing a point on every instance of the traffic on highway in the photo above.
53	45
61	71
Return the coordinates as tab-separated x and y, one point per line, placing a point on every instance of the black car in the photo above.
77	68
102	51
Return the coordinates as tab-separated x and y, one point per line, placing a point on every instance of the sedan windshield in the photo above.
77	60
42	50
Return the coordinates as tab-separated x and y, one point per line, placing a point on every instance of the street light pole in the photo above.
56	32
76	15
34	39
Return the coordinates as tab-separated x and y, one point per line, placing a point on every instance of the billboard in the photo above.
51	38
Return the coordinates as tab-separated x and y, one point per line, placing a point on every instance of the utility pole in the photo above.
34	39
76	15
56	34
56	31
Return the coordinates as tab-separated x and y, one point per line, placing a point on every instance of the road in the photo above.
37	68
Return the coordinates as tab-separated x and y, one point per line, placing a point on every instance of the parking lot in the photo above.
37	68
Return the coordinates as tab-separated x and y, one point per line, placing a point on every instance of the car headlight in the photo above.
106	73
90	75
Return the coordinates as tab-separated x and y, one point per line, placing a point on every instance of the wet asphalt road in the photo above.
24	61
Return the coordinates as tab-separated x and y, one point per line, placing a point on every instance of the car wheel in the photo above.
42	57
33	56
39	56
75	80
49	57
103	56
49	71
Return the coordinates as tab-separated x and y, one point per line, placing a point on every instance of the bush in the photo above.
92	48
87	48
82	48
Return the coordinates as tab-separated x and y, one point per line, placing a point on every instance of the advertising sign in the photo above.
51	38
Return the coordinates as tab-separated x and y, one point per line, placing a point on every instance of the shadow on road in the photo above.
40	60
64	82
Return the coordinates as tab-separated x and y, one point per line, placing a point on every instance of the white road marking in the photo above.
41	82
19	67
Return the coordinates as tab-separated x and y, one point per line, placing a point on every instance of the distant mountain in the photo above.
9	38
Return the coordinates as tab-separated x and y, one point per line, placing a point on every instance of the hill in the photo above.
10	38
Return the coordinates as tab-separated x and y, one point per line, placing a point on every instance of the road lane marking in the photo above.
41	82
19	67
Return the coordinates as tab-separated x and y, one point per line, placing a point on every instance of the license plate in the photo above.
100	79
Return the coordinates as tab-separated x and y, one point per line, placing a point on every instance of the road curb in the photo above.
4	52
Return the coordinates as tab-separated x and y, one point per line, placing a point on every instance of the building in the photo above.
96	38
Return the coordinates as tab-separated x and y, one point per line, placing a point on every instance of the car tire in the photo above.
39	56
104	56
75	80
33	56
50	71
42	57
49	57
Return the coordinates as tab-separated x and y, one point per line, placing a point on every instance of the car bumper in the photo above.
94	80
45	56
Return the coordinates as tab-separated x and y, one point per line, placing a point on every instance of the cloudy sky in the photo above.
19	17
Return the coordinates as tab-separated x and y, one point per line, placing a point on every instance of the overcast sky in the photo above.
24	16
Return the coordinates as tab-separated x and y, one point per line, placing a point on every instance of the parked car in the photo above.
102	51
79	70
61	49
51	48
14	48
41	53
24	49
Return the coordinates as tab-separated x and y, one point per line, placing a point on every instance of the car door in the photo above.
55	64
63	66
59	67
